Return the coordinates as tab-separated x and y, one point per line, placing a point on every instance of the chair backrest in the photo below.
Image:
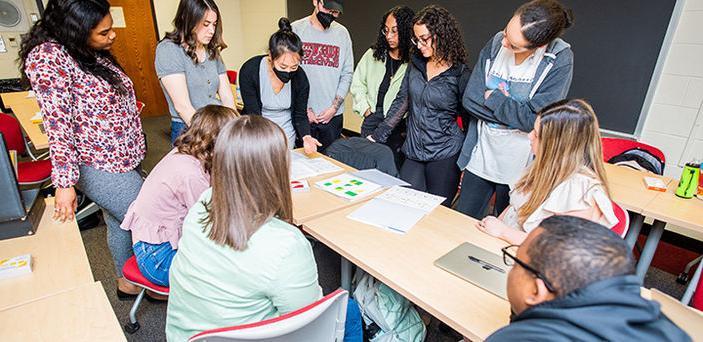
12	131
623	224
322	320
614	146
232	76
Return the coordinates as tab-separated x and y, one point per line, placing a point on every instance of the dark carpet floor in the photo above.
152	316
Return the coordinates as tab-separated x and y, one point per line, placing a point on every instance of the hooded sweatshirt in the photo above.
607	310
550	84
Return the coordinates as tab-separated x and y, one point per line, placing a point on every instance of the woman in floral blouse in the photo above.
90	116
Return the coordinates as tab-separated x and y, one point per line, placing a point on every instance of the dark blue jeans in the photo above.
154	261
176	129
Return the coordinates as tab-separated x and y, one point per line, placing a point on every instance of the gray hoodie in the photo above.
551	84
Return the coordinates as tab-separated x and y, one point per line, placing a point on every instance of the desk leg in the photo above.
346	274
650	246
692	284
636	222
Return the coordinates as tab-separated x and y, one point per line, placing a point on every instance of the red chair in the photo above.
322	320
614	146
232	76
28	172
623	224
131	273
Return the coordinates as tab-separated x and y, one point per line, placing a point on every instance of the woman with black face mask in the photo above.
275	87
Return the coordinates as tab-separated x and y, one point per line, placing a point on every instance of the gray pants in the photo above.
113	193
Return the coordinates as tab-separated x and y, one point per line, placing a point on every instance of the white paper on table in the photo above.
294	155
387	215
380	178
299	170
412	198
347	186
36	117
303	167
321	165
30	94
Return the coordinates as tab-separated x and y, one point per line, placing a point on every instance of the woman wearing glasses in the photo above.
567	176
520	70
431	96
380	72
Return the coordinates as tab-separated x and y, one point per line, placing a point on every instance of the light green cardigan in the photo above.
366	81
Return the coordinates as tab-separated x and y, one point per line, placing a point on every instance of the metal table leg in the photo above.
692	284
636	222
650	246
346	274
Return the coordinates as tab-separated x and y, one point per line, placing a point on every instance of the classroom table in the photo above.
59	261
669	208
317	202
82	313
24	108
405	262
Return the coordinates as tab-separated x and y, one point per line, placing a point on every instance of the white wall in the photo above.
674	122
247	25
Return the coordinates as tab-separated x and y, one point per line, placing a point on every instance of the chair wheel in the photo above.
131	328
682	278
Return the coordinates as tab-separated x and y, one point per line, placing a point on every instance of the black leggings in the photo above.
438	177
475	194
327	133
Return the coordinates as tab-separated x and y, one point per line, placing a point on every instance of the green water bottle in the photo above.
688	184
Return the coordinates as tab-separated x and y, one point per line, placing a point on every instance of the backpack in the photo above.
639	159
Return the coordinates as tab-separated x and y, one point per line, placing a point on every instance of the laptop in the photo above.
477	266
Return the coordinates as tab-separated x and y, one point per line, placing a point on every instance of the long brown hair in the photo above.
188	15
250	180
569	142
198	140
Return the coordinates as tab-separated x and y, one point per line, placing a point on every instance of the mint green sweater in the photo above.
366	81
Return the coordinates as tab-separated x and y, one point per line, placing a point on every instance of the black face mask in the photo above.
284	76
325	19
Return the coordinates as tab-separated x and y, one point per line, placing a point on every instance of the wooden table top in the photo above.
685	213
627	187
317	202
59	262
406	264
14	98
80	314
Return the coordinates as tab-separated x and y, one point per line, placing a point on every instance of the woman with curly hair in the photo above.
189	65
430	95
521	69
90	114
381	71
156	216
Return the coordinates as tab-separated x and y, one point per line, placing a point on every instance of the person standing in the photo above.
380	72
329	64
189	65
90	115
519	71
276	87
431	95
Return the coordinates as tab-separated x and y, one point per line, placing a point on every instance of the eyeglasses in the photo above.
420	40
510	259
392	32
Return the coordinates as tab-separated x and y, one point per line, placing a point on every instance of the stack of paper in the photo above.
36	118
302	167
380	178
348	186
15	266
397	209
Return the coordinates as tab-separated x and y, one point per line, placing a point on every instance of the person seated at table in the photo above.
276	87
567	176
156	215
239	259
573	280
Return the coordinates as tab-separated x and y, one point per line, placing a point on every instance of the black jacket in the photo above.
608	310
249	85
432	109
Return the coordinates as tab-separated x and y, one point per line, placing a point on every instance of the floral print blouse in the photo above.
86	120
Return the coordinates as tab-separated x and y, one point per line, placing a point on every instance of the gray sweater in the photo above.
328	63
551	83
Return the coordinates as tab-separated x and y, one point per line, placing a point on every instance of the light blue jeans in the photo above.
154	261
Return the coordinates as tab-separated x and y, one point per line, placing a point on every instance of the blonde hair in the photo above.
250	181
569	142
198	140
